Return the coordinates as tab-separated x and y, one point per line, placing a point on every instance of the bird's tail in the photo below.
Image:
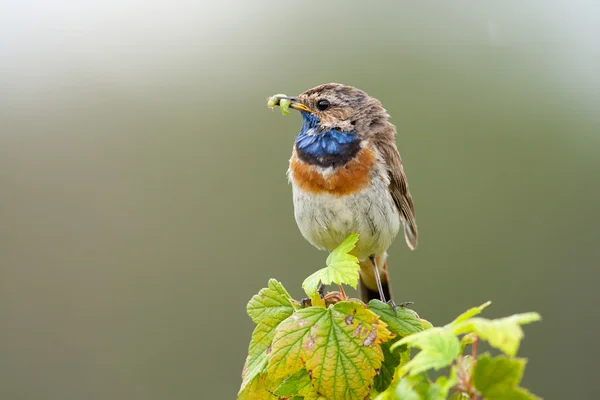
368	284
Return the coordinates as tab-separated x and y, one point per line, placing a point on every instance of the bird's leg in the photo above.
395	306
378	279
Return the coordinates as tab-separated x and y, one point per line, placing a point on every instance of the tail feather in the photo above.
410	234
367	294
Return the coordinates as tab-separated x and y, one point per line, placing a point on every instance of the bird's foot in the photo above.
396	306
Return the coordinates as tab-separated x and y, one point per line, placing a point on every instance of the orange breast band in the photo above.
350	178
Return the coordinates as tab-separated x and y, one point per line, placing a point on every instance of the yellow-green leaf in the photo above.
293	338
471	312
296	385
272	302
342	268
409	387
439	347
426	324
504	333
313	396
439	389
338	346
257	389
267	309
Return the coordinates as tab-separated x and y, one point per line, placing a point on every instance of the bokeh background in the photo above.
143	196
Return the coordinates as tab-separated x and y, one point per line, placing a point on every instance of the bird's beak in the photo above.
294	103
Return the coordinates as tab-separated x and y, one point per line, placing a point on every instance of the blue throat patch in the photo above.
329	146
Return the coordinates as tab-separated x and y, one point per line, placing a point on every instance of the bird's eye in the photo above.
323	105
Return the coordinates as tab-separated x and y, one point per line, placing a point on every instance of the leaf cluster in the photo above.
334	347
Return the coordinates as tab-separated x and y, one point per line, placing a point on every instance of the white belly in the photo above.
325	220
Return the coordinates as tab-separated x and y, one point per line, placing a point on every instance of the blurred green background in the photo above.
143	196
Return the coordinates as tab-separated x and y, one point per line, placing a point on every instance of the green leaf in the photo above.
402	355
471	312
296	385
403	322
498	378
459	396
272	302
391	359
493	375
439	347
339	347
408	388
268	309
418	387
426	324
440	388
504	333
516	394
342	268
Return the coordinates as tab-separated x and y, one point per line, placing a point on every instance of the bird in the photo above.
347	177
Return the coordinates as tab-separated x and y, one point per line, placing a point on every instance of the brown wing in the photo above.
398	185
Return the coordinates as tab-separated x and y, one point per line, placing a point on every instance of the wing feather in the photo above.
386	145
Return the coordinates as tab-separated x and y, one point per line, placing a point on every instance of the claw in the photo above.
395	306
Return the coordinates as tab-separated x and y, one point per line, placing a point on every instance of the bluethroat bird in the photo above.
347	177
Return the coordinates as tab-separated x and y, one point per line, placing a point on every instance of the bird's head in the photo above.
342	108
338	121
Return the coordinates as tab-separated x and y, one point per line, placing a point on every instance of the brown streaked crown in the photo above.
350	109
